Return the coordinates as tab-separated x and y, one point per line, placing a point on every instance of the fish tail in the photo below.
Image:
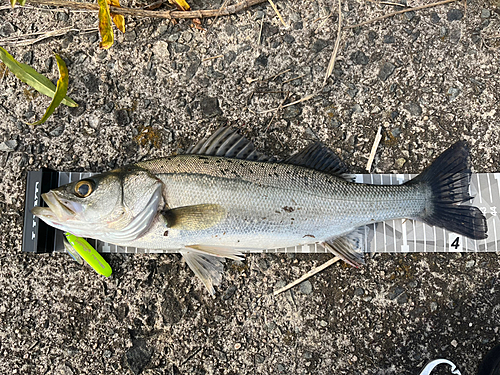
448	177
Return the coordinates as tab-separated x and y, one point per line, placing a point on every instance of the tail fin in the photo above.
449	177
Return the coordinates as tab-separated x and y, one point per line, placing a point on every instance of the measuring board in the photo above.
393	236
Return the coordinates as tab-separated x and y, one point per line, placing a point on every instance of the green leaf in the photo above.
22	2
30	76
62	87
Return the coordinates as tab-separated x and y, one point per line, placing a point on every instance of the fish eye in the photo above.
84	188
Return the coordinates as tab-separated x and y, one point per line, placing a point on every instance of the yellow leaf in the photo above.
118	19
181	4
105	28
62	87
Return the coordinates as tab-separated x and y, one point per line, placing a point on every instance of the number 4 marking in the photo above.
455	243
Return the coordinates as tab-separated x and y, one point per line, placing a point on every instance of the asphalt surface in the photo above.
428	77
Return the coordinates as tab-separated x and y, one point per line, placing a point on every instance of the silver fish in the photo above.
223	198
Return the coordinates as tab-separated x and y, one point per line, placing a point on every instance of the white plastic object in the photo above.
431	365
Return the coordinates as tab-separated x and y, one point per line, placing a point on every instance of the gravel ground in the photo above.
428	77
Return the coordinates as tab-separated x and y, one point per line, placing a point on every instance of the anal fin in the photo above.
208	268
350	247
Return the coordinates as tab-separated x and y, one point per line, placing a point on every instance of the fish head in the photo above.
116	206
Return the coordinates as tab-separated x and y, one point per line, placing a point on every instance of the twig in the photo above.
307	97
212	57
19	41
278	13
170	14
378	137
400	12
307	275
331	64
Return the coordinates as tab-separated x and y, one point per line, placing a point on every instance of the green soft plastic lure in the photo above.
80	250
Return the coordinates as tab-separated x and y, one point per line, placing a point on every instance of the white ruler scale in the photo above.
393	236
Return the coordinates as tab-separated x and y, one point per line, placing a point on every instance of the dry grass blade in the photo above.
170	14
378	137
401	12
331	64
22	40
278	13
307	275
307	97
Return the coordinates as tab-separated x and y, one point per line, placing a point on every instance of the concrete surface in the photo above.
429	78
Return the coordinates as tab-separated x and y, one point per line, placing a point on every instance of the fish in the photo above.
223	198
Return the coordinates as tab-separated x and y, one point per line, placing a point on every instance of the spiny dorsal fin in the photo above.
319	157
228	143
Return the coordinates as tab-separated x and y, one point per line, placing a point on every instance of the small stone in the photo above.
289	39
62	16
323	323
57	131
229	57
298	25
138	356
8	146
389	39
305	287
434	306
121	117
130	36
454	343
403	298
191	70
357	108
359	292
108	107
263	264
259	358
259	15
229	293
372	36
77	111
171	309
400	162
485	13
261	60
291	112
410	15
455	35
186	36
414	108
237	346
453	93
454	15
470	263
210	107
386	71
435	17
6	29
28	58
396	292
359	58
107	354
319	45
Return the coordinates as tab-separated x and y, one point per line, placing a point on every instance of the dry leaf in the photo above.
105	28
118	19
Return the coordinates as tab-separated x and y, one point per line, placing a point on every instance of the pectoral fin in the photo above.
197	217
207	267
350	248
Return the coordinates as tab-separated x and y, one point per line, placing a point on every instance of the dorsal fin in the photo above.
319	157
228	143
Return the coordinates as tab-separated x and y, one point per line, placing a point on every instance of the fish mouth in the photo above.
57	211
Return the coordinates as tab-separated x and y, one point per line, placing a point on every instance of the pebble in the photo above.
291	112
6	29
454	343
389	39
171	309
396	292
454	15
485	13
434	306
386	71
191	70
186	36
319	45
28	58
263	264
229	293
400	162
453	93
306	287
121	117
130	36
357	108
414	108
435	17
323	323
410	15
359	58
289	39
57	131
138	356
62	16
261	60
8	146
359	292
470	263
372	36
210	107
455	35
